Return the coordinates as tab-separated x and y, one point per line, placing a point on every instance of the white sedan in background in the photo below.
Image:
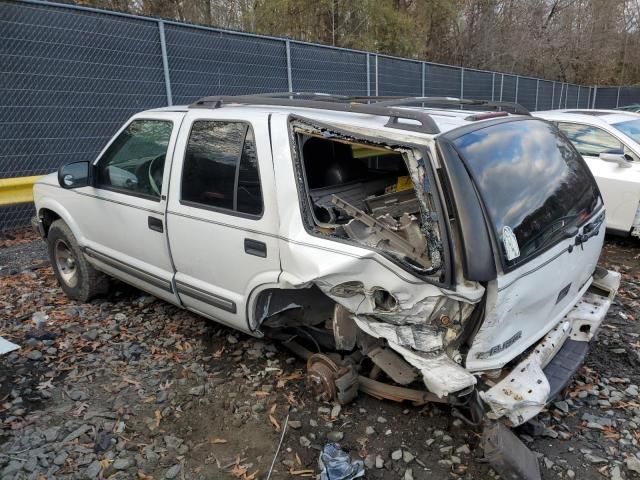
609	141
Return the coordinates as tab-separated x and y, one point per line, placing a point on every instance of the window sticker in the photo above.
510	243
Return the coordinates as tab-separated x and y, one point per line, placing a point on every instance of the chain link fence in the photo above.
70	76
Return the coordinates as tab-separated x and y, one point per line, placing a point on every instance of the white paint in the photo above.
527	300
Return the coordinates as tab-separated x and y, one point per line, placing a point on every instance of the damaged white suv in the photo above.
416	249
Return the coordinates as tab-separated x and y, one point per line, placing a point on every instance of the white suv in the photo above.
609	141
430	254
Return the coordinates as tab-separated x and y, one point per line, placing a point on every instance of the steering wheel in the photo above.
156	169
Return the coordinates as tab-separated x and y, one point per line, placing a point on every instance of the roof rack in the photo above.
385	106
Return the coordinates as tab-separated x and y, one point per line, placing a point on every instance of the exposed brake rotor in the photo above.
330	381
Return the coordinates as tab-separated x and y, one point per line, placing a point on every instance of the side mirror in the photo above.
74	175
619	158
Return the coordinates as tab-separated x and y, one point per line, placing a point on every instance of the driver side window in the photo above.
134	162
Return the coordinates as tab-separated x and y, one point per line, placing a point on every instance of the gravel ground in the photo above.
131	387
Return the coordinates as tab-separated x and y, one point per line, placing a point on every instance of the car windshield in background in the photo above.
533	183
631	128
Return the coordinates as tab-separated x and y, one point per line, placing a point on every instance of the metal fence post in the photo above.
553	94
377	75
618	98
461	82
517	87
595	92
165	63
566	96
501	86
560	98
424	77
537	91
578	100
289	78
493	86
368	76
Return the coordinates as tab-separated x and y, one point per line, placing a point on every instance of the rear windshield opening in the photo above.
364	193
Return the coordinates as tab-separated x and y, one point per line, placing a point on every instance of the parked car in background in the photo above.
634	108
609	141
422	254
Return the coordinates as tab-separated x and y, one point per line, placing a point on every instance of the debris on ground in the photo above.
336	464
128	386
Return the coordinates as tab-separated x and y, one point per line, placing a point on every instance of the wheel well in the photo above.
48	217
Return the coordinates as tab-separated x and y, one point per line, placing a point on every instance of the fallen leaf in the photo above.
274	422
302	473
218	353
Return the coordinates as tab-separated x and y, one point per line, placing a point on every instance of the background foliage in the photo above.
580	41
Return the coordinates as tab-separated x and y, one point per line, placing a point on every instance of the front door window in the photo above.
134	162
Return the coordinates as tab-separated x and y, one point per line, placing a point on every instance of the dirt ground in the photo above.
128	386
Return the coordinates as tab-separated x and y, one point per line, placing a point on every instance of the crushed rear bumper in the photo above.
551	364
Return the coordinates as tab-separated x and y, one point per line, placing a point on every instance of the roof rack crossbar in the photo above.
425	124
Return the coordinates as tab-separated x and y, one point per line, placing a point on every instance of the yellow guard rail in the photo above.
17	190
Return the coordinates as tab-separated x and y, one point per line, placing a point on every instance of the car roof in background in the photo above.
601	116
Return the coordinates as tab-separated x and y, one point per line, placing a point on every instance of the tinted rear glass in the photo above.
533	183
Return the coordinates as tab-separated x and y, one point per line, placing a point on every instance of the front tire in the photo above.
77	278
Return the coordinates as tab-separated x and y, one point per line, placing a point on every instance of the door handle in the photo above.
254	247
155	224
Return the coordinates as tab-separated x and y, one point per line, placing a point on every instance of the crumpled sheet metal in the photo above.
440	374
523	393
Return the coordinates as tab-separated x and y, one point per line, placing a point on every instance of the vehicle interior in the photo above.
364	193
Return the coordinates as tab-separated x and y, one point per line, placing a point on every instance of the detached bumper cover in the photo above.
539	378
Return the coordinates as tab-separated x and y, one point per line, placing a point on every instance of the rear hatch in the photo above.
543	211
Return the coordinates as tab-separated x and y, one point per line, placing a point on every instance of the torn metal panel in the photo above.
418	337
523	393
440	374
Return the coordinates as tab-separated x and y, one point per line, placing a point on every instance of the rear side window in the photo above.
134	162
221	168
590	141
533	183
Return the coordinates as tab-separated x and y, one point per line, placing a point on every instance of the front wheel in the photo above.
77	278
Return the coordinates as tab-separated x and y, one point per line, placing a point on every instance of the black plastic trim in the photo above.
206	297
478	262
143	275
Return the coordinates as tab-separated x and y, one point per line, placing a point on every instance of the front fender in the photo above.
52	198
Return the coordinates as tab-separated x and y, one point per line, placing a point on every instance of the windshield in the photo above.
631	128
533	182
